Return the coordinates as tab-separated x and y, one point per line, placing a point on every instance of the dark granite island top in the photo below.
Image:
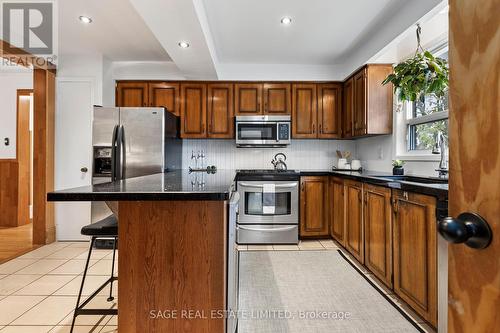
173	185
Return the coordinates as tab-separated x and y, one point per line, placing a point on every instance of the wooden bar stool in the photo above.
106	228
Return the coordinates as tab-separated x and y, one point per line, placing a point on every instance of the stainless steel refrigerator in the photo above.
132	142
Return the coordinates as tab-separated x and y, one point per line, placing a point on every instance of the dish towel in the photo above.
268	204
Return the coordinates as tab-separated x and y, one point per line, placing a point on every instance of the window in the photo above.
427	116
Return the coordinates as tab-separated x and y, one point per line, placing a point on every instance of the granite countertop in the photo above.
182	185
173	185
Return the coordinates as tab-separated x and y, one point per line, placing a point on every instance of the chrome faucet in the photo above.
441	147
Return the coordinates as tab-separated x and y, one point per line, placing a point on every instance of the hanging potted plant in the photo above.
423	74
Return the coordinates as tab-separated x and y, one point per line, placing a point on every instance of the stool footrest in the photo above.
80	309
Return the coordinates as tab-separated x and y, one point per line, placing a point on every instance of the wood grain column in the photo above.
43	155
172	260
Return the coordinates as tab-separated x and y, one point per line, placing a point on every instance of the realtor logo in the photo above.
28	26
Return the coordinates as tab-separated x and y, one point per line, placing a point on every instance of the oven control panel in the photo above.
284	131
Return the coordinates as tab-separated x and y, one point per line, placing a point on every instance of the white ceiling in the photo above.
249	31
117	31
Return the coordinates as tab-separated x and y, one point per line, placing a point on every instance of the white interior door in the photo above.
73	151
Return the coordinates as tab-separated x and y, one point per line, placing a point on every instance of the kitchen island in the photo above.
172	248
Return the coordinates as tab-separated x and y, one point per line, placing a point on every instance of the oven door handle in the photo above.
288	185
267	230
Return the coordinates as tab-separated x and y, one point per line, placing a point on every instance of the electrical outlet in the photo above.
380	153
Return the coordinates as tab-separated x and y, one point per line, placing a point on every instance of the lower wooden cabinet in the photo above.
337	209
378	234
314	215
415	252
354	242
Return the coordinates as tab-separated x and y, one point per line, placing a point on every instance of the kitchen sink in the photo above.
416	179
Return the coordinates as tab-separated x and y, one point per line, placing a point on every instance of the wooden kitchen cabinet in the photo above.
337	209
132	94
415	252
220	111
329	110
193	110
368	105
378	231
354	235
165	94
276	98
314	217
304	111
248	99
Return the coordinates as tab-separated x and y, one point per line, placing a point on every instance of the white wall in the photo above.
10	81
301	154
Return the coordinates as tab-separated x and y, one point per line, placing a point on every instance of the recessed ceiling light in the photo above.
286	20
85	19
183	44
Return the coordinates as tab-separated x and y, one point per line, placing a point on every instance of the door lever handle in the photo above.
468	228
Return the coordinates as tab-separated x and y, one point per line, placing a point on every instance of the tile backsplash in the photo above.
301	154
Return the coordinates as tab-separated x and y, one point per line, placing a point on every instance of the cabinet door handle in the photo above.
320	129
314	128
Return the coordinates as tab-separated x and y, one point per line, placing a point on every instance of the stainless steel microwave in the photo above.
263	131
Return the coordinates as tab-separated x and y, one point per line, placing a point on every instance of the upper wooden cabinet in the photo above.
314	205
220	110
378	233
133	94
415	252
276	98
367	102
165	94
337	209
354	242
329	110
304	110
248	98
193	110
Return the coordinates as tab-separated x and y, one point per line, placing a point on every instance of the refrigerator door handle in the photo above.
118	158
123	153
113	153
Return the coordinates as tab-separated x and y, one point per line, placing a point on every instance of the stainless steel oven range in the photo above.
268	207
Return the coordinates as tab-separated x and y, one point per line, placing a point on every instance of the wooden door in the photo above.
415	252
165	94
378	233
220	110
329	109
337	209
359	110
132	94
474	275
347	118
354	242
193	110
248	98
304	111
277	98
314	206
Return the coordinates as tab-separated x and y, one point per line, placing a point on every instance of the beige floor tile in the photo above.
15	265
113	321
67	253
42	266
286	247
260	247
26	329
12	307
50	311
96	254
2	276
328	244
44	251
310	245
72	267
110	256
45	286
83	244
78	329
13	283
110	329
103	267
92	282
